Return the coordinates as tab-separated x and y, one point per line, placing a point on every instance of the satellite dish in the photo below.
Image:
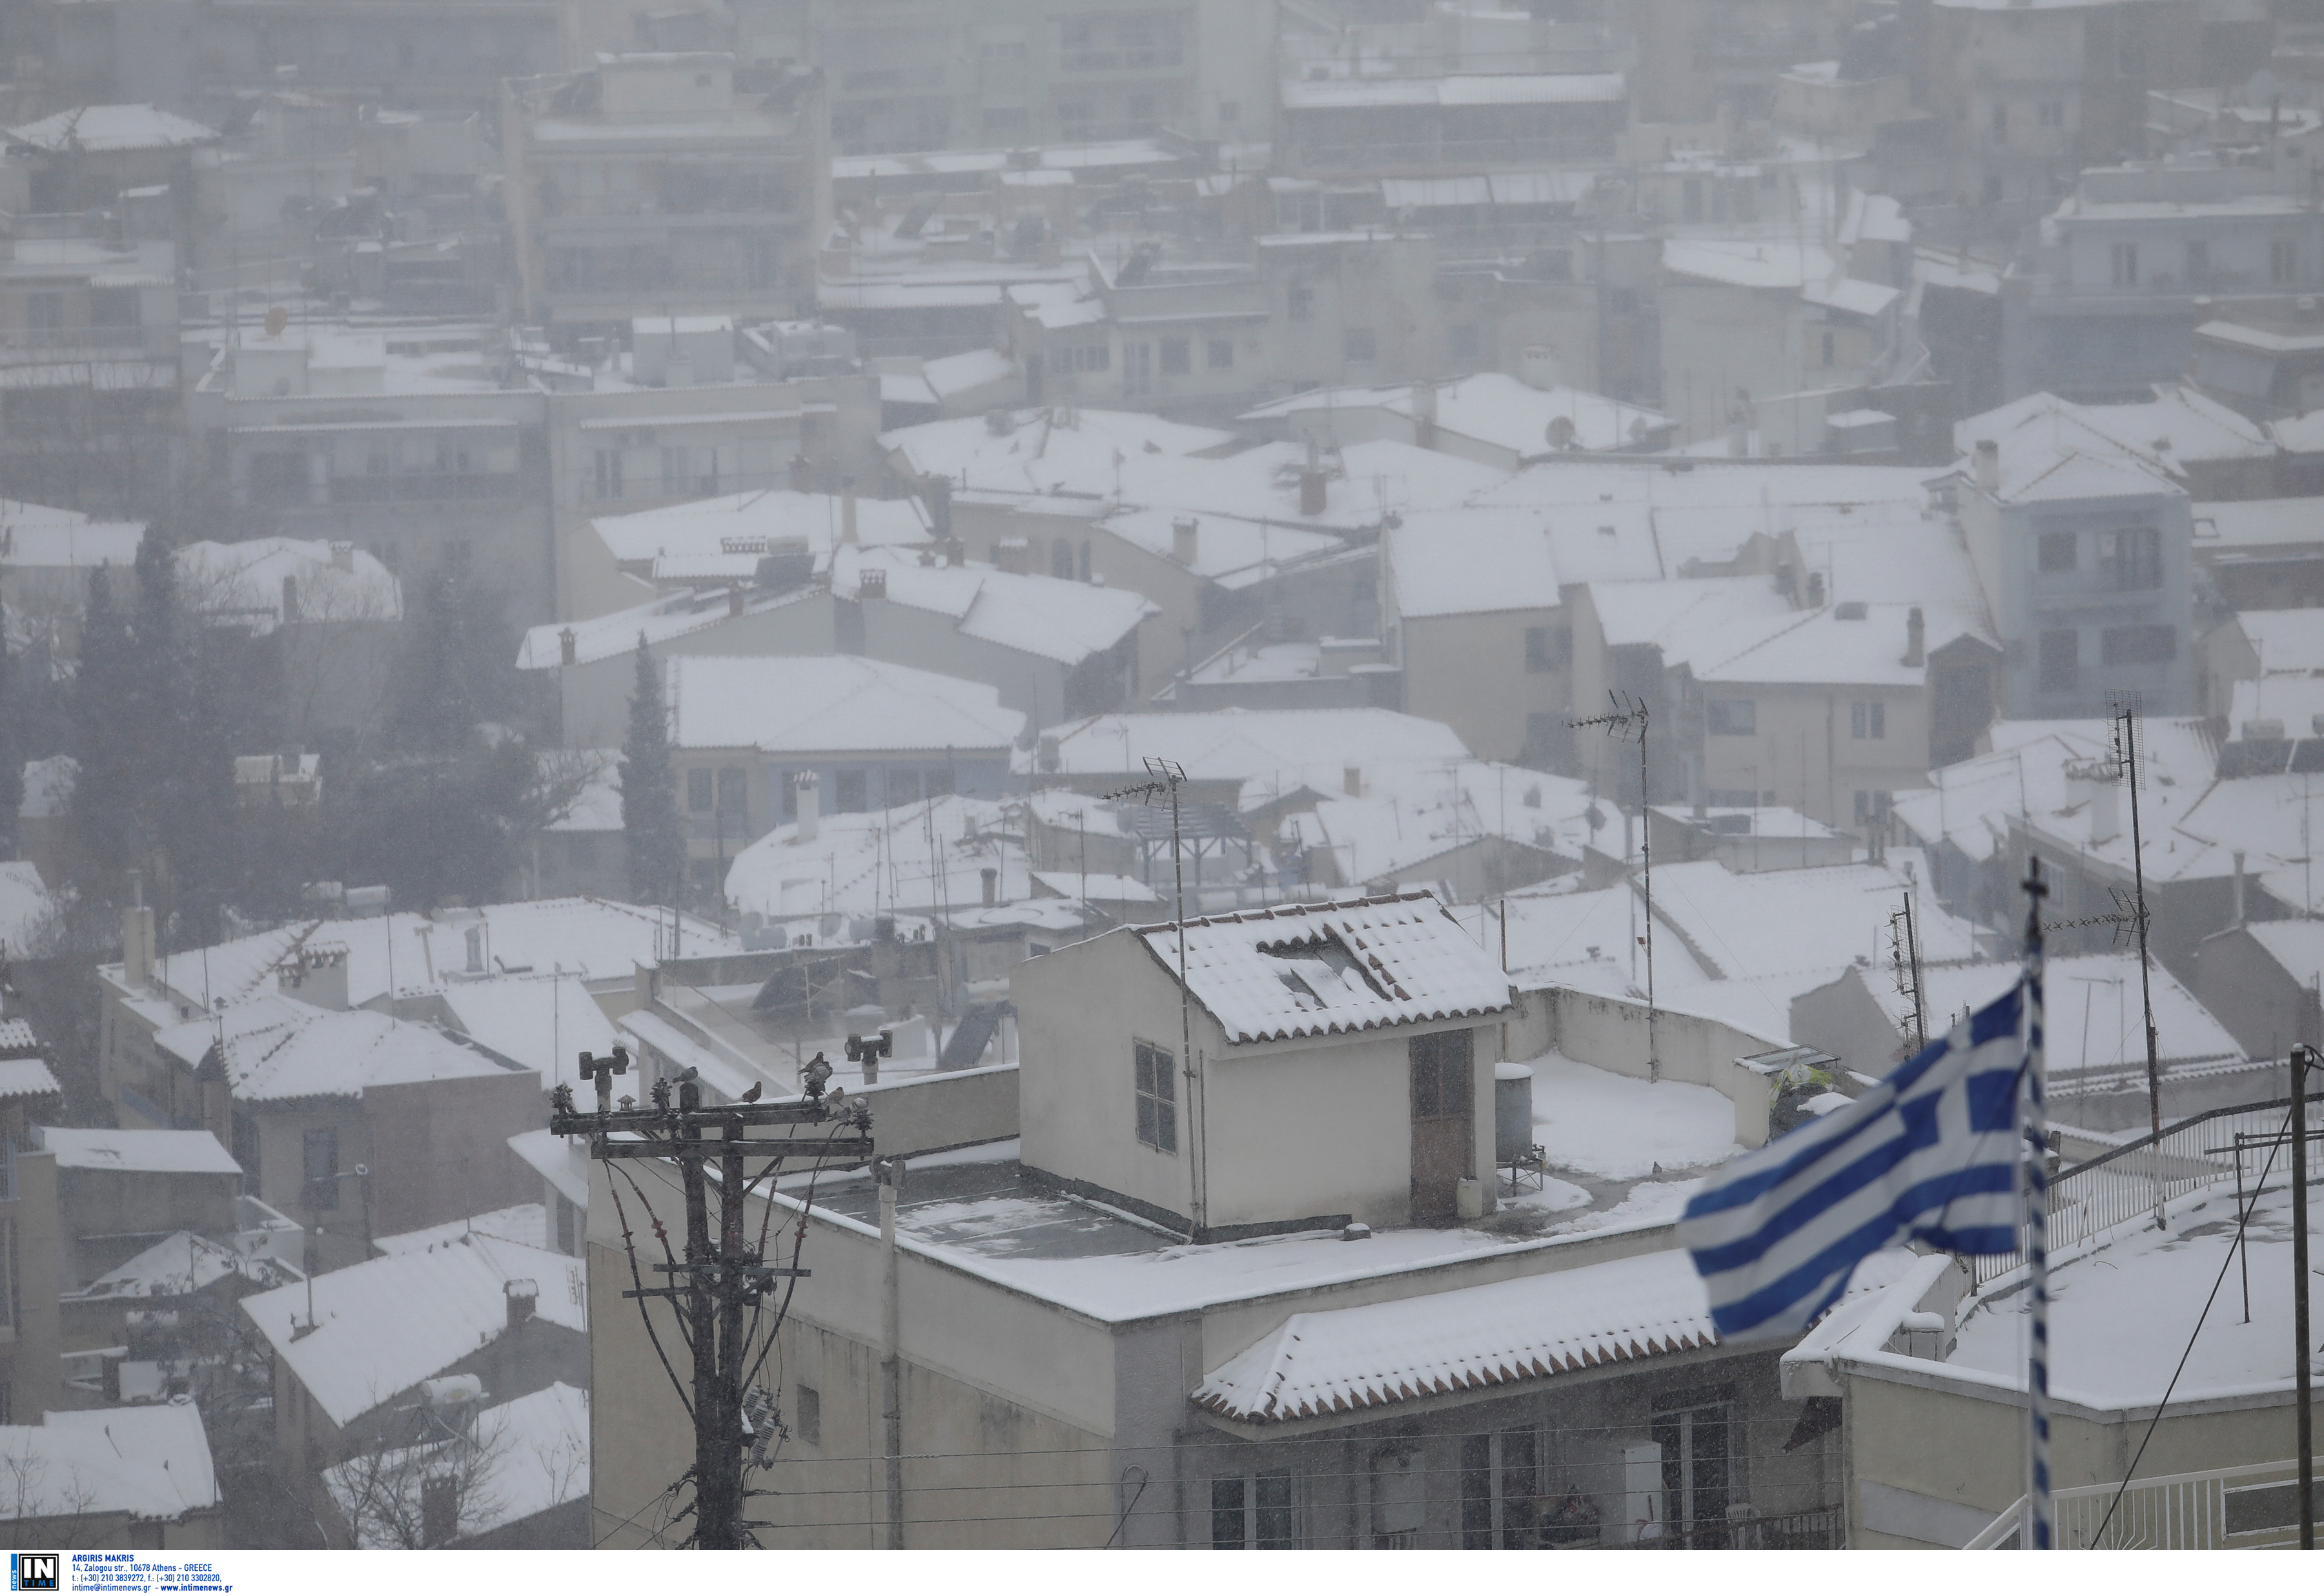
277	319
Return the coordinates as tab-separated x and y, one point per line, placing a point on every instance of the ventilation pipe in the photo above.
290	599
523	1297
992	879
1815	590
1186	540
847	515
1424	415
1988	465
1917	638
568	647
2240	888
1352	780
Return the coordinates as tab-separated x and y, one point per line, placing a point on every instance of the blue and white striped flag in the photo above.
1930	1154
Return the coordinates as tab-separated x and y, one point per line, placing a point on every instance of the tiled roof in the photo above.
1343	1360
1323	969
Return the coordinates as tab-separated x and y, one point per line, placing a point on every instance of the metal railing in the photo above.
2117	1187
1819	1529
2248	1508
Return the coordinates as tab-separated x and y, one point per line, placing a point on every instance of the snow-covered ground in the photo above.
1592	1122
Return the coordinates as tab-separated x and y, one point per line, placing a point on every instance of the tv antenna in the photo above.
1165	778
1905	954
1626	721
2126	751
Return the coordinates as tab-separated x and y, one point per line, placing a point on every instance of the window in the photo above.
733	792
244	1132
2052	114
807	1417
1258	1510
697	791
2134	559
113	306
1871	809
1005	119
1301	303
1539	654
1868	720
2126	265
44	312
1177	356
1441	1075
1827	348
1359	343
2198	261
2282	260
2060	660
2138	645
2058	551
569	1226
1230	110
1061	560
609	473
322	1168
1399	1497
1157	1098
1732	717
1499	1483
1221	354
1698	1477
848	791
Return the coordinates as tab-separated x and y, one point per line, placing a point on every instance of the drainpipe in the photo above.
889	1173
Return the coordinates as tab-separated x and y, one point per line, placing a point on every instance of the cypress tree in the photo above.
650	824
104	746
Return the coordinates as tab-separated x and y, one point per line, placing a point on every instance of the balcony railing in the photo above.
2247	1508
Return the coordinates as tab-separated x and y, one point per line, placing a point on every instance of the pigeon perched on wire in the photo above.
752	1094
688	1075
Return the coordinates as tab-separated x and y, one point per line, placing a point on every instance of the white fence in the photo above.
2250	1508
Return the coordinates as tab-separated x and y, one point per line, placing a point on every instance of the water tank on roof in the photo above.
1512	1112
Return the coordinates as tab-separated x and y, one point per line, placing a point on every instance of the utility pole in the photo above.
1625	720
1905	947
720	1278
2303	1059
1168	777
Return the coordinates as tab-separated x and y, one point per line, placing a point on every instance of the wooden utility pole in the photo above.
721	1278
2303	1059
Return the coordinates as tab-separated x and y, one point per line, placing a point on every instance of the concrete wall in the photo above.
955	1108
1610	1034
1804	751
2263	1005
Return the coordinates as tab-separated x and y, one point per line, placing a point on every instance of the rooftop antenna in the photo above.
2126	759
1166	778
1904	952
1627	720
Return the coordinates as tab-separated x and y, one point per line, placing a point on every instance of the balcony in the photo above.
2251	1508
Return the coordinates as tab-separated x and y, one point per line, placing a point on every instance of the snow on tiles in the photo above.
1303	971
1592	1123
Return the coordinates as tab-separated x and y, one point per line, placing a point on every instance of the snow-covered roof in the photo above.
383	1325
753	523
1231	550
2092	1017
2227	527
2178	425
26	905
1408	815
1499	88
27	1077
1678	615
1480	562
530	1456
325	1054
1234	745
562	1160
542	1021
658	621
1329	969
2289	641
106	130
1820	646
1045	616
181	1264
1095	886
39	536
1340	1359
150	1462
918	858
1814	920
831	703
138	1152
1495	409
2050	448
1043	449
526	1223
241	583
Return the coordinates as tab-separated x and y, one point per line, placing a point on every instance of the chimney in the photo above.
1352	780
807	793
1311	495
2105	811
871	582
847	515
290	598
343	557
522	1294
2239	887
137	945
439	1510
1013	555
1916	638
735	596
1988	465
1424	415
1815	590
1186	536
568	647
991	878
955	553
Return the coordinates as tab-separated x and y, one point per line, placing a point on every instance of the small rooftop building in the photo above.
1337	1073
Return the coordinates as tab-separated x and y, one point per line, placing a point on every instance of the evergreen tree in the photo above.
13	679
650	823
104	745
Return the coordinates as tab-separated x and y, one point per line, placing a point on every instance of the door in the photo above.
1697	1475
1443	1107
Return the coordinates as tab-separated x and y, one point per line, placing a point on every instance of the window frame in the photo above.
320	1191
1731	717
1154	1091
1240	1509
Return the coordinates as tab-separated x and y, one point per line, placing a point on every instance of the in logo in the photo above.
34	1571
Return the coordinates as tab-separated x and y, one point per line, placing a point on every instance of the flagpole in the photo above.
2036	1532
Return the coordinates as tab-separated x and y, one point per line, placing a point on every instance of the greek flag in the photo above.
1930	1154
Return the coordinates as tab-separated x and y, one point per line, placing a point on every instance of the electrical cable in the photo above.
629	1244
